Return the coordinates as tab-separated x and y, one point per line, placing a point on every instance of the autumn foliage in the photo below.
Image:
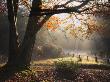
53	23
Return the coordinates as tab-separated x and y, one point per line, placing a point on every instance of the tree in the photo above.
30	35
12	6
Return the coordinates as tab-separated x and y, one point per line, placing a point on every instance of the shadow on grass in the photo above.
6	72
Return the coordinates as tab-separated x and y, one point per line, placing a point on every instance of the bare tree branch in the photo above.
57	11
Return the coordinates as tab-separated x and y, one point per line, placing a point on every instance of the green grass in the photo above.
68	59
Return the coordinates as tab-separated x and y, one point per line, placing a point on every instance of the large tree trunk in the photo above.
7	70
30	35
13	44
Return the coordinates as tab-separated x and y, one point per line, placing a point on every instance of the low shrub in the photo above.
66	69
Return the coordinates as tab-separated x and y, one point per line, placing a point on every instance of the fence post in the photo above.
87	58
79	58
96	59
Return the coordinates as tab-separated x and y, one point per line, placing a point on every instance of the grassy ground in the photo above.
44	71
75	59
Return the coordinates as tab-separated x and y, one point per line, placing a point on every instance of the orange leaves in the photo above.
53	23
49	25
74	26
